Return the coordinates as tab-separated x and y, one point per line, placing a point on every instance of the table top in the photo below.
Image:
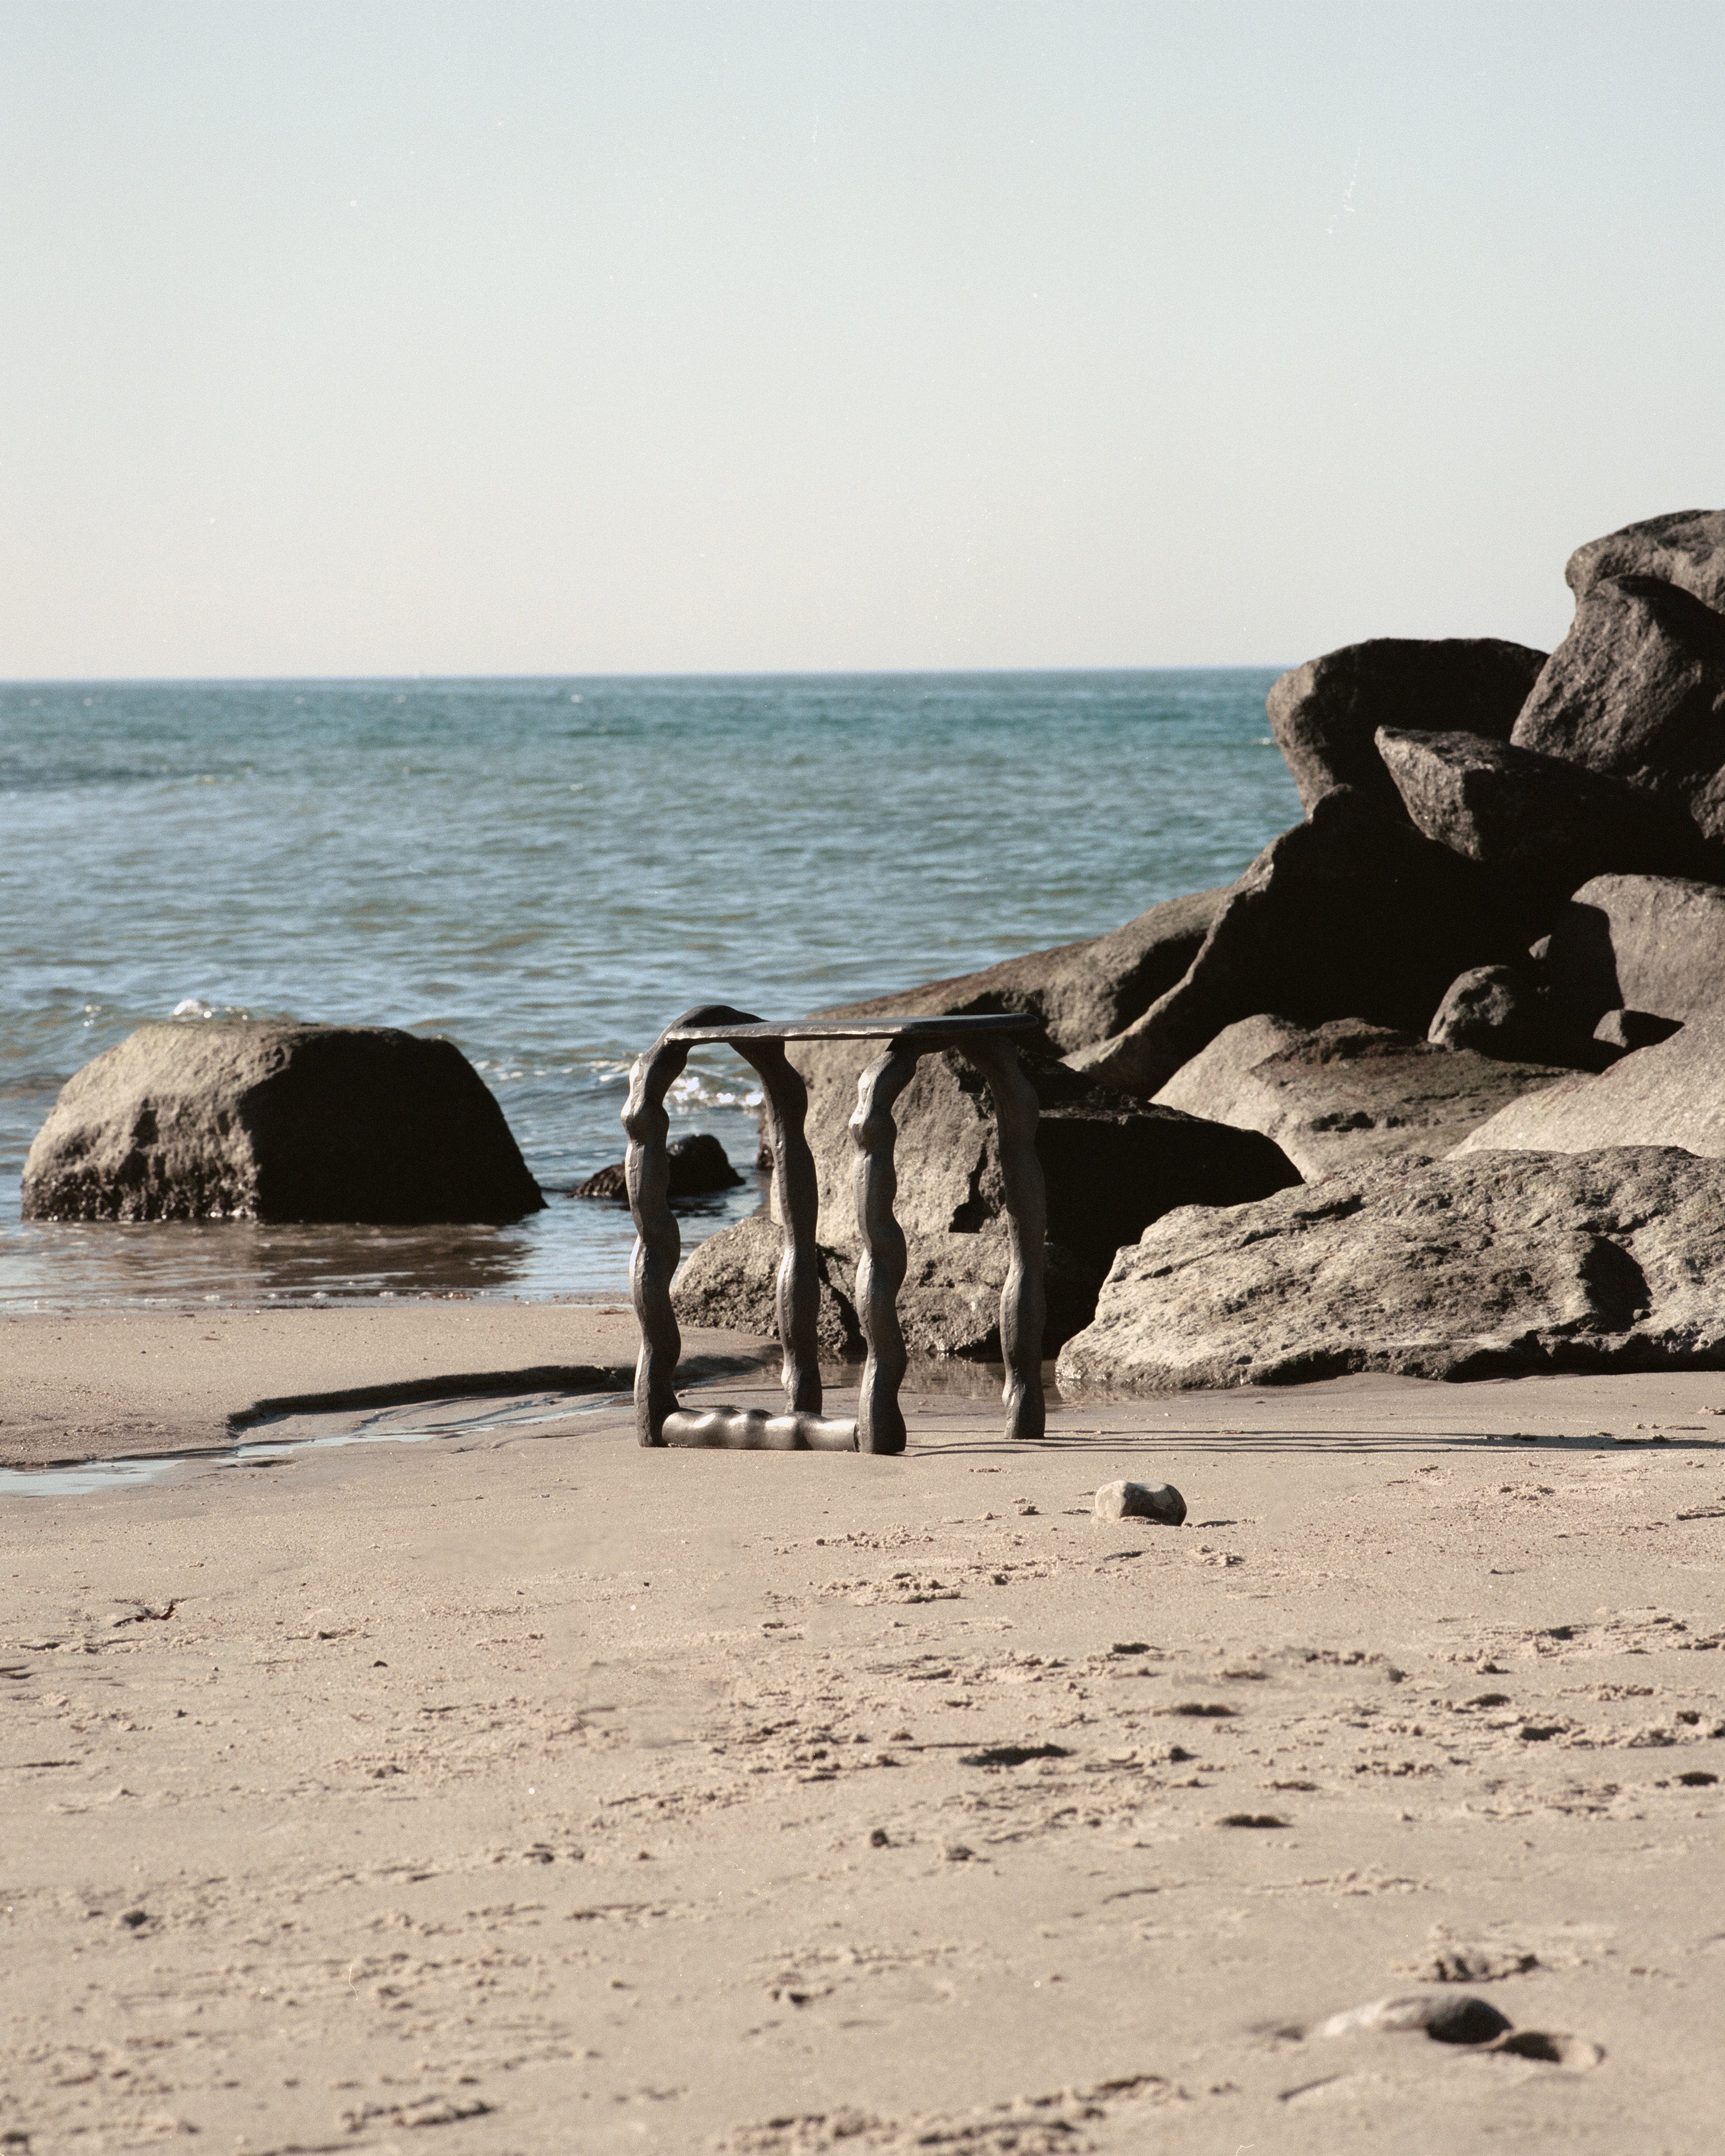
931	1030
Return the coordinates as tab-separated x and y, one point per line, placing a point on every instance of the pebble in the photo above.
1141	1500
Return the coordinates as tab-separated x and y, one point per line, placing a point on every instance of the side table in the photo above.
990	1044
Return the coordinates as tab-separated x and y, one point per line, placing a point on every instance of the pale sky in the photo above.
349	337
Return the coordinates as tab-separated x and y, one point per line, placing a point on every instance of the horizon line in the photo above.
642	674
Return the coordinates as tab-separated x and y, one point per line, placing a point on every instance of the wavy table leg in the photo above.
1023	1300
880	1425
658	1242
794	1200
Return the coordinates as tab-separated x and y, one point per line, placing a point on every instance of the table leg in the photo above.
1023	1300
794	1199
880	1425
658	1242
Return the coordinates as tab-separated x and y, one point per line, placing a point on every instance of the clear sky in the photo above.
526	335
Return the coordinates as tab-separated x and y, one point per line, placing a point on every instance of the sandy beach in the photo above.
554	1794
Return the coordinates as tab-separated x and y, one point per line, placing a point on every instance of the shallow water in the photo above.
291	1435
546	871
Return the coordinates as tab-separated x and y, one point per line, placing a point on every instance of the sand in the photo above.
520	1790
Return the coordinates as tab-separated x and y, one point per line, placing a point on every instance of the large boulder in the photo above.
243	1120
1350	914
1673	1094
1112	1164
1685	547
736	1272
1111	1161
949	1304
1335	1097
1650	943
1081	992
1494	1266
1516	808
1637	691
1325	713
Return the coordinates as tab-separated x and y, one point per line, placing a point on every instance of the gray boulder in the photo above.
1352	914
1685	547
243	1119
1081	992
735	1272
1325	713
1637	691
1336	1096
1110	1162
1495	1265
1516	808
1504	1011
1669	1094
1646	944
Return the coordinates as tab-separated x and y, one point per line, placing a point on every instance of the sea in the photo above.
546	871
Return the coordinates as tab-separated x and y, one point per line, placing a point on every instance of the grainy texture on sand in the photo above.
561	1796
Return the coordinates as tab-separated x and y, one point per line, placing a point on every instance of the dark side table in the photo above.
987	1043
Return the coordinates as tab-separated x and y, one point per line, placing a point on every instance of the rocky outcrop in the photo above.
697	1166
1637	691
1686	548
1645	943
1669	1094
243	1119
1335	1096
1349	915
1493	1266
1512	807
1112	1164
1081	992
1325	713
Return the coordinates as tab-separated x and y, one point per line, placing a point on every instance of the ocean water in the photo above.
547	871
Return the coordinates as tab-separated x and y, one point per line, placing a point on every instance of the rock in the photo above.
1466	2021
1141	1500
1495	1265
1513	808
1623	1031
1448	2021
272	1120
1349	915
1337	1096
1645	943
1637	691
1081	992
735	1272
1112	1161
1325	714
1503	1011
1671	1095
1685	547
1112	1164
699	1165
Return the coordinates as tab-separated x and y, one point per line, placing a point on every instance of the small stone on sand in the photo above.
1141	1500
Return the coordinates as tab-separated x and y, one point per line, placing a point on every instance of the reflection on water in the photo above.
576	1246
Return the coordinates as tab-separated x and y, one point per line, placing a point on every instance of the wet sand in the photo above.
89	1385
563	1796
